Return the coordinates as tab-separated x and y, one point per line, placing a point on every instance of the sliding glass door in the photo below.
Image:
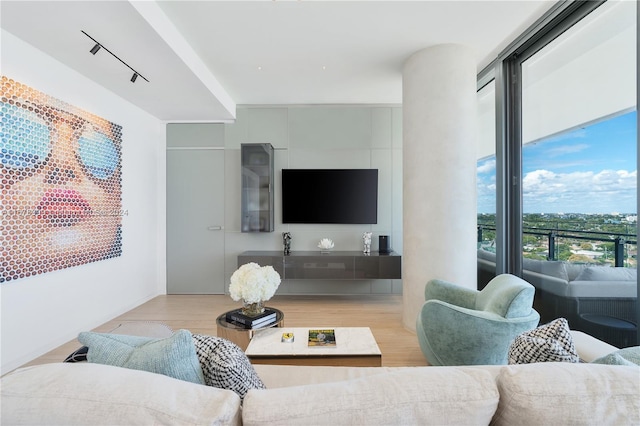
564	176
579	173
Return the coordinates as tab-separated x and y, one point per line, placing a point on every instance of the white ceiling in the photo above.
204	57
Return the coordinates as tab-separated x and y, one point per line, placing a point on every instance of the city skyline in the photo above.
591	169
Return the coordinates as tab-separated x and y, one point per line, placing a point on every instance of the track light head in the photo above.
133	77
95	49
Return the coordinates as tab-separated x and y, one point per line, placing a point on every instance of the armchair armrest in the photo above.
450	293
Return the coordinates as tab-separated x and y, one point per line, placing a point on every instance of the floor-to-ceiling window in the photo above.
566	172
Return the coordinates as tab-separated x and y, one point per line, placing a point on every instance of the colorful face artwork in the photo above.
60	184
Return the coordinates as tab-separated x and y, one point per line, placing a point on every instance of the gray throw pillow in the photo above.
173	356
626	356
225	365
551	342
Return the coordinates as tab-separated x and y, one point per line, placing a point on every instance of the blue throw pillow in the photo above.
627	356
174	356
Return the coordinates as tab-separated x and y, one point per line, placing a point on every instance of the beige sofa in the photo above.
531	394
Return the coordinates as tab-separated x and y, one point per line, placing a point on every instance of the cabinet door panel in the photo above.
195	219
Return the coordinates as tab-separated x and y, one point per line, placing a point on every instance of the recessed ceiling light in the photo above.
259	68
324	67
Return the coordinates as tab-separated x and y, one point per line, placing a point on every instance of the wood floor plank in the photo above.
198	313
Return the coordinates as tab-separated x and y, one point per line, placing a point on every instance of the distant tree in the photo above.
586	246
580	258
563	252
533	255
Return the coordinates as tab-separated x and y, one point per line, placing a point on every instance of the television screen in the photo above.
348	196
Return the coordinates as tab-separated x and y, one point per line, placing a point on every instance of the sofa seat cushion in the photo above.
550	342
174	356
590	348
601	289
95	394
568	394
421	395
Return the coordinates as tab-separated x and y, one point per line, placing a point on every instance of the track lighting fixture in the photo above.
99	46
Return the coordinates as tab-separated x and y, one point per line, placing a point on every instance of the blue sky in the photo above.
587	170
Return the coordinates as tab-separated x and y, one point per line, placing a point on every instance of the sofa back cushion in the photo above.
605	273
423	395
573	270
553	268
96	394
564	394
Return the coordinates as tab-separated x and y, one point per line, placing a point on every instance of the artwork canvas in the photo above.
60	184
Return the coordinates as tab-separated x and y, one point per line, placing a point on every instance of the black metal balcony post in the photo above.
479	233
619	251
552	246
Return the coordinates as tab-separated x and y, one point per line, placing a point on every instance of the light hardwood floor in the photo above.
198	313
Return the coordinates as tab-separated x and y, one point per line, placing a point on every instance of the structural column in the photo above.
439	172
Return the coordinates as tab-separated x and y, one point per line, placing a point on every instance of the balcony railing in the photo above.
619	239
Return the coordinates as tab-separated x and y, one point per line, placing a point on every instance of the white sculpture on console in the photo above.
366	238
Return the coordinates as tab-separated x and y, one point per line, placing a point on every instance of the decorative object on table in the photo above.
324	338
384	244
254	285
286	240
287	337
366	239
325	245
265	318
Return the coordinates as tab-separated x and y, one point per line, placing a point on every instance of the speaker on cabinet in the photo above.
384	244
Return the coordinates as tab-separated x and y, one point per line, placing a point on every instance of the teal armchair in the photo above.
461	326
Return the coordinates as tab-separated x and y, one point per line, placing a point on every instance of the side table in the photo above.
242	336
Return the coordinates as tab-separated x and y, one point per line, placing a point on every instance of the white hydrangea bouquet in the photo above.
253	284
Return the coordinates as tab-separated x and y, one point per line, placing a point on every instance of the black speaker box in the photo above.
384	244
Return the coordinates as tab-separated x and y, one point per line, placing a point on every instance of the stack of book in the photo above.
266	318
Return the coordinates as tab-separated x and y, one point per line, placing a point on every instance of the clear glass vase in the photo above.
252	309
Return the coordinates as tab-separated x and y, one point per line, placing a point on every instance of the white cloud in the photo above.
585	192
487	167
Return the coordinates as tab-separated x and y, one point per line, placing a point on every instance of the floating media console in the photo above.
335	265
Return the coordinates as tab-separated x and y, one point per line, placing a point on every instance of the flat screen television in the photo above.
340	196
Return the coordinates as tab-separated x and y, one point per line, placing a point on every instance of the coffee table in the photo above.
355	346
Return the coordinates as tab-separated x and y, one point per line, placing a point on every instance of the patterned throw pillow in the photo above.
225	365
551	342
79	355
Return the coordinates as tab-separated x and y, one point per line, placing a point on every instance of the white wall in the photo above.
42	312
